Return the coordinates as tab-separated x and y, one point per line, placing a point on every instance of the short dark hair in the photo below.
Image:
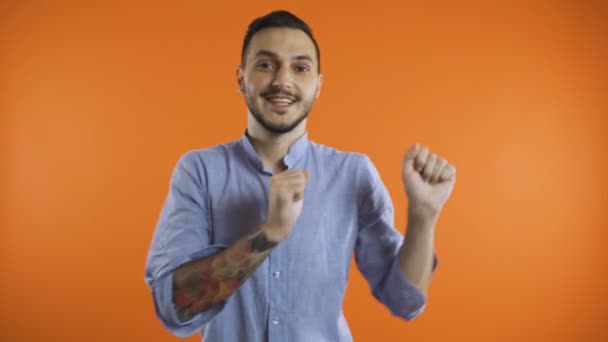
280	19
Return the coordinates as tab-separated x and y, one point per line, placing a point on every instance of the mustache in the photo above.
279	91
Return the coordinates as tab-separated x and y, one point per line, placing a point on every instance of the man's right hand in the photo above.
285	199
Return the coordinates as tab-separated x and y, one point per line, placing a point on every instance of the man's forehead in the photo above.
283	42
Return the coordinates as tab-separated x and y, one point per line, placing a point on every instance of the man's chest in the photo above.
238	205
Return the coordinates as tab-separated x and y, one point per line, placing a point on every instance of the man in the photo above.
256	236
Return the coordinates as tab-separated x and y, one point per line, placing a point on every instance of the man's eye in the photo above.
302	68
265	66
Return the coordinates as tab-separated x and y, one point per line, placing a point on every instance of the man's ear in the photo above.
318	93
239	79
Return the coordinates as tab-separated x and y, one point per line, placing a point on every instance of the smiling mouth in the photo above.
280	104
280	100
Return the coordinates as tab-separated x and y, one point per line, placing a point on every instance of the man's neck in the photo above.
271	147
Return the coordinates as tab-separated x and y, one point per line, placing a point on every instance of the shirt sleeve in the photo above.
182	234
377	248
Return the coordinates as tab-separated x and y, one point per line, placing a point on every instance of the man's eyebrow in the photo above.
267	54
273	55
304	57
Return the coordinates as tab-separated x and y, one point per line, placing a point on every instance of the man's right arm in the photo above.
200	284
189	273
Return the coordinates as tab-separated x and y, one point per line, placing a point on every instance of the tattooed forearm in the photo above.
200	284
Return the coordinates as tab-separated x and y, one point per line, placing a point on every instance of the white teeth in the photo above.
279	100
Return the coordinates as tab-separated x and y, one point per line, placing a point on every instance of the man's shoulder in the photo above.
334	155
210	154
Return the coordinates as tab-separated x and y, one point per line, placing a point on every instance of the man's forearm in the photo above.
202	283
416	254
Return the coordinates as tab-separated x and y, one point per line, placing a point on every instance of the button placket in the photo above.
276	316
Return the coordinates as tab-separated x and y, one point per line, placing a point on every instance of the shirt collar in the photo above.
294	153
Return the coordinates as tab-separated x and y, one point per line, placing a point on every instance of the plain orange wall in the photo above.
99	99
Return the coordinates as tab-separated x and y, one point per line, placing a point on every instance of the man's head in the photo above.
280	71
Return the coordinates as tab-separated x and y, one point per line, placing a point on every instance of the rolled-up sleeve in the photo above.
182	235
377	248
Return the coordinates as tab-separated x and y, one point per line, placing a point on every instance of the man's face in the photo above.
279	78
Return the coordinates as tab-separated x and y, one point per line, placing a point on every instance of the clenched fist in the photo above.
429	180
285	199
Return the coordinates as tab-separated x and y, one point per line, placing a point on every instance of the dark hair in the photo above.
281	19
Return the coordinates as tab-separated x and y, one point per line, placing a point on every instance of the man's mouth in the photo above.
280	100
280	103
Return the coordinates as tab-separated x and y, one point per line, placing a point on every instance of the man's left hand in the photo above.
428	179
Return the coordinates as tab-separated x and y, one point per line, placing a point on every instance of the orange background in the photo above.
99	99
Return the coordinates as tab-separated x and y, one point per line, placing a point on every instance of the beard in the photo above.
276	128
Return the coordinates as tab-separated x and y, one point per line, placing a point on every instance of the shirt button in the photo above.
276	274
275	321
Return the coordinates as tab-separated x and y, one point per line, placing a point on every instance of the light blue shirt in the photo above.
219	195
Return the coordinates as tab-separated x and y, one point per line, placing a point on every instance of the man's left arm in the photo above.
416	255
429	180
399	268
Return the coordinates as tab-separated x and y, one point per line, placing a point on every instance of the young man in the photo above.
256	236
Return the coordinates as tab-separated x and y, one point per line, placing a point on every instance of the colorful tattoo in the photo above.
201	284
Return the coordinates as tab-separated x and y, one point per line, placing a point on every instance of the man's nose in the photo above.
282	78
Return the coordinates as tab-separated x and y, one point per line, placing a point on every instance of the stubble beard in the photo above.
277	128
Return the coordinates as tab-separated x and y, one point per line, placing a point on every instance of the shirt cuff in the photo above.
399	295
